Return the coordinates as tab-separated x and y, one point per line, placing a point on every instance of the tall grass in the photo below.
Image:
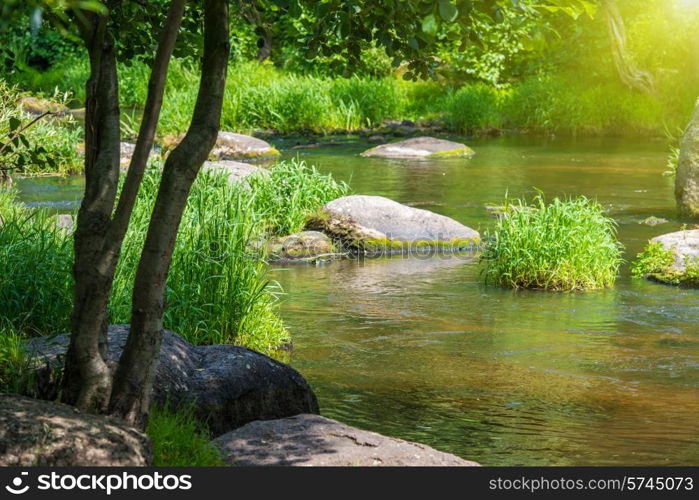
563	245
292	192
265	97
16	364
180	439
36	283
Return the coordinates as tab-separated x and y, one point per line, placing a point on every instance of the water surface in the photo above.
420	349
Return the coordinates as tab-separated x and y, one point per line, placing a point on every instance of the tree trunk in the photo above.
87	380
630	74
98	238
135	373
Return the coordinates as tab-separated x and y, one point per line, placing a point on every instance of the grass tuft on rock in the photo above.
657	263
564	245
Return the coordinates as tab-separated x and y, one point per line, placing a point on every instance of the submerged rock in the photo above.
232	146
237	171
312	440
687	175
653	221
377	225
685	247
229	385
44	433
420	147
308	246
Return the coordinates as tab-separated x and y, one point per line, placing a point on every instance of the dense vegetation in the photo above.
657	262
217	290
562	245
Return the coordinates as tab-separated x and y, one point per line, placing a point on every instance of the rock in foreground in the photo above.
312	440
420	147
232	146
229	385
377	225
43	433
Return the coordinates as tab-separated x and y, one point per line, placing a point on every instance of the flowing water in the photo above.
419	349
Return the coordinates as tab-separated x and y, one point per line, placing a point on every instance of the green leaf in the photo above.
430	25
412	41
448	10
14	123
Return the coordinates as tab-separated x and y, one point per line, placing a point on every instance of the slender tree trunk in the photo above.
630	74
133	380
98	238
87	379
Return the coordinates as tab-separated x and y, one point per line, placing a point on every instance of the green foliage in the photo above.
564	245
16	364
654	259
35	269
216	289
291	194
472	108
45	145
180	439
657	262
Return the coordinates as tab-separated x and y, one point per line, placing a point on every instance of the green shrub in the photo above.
564	245
471	108
180	439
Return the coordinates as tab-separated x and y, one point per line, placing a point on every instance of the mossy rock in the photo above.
671	258
304	246
420	147
232	146
374	225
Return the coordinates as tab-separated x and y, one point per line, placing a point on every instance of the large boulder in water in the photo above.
312	440
378	225
229	385
232	146
43	433
420	147
687	176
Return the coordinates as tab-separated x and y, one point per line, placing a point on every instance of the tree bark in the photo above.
87	380
99	237
133	380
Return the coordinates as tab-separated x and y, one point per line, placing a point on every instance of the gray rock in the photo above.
302	246
231	146
419	147
236	171
373	224
43	433
312	440
687	175
229	385
376	138
685	246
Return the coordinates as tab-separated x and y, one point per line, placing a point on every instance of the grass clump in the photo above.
563	245
180	439
658	263
16	363
291	194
